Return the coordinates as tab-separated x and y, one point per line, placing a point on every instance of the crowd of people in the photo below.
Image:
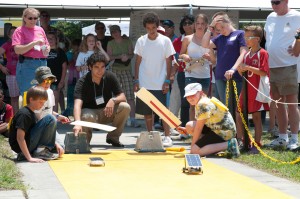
193	69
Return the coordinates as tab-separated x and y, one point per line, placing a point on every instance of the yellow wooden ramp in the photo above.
131	175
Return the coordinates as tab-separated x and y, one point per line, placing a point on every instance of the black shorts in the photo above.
208	137
143	109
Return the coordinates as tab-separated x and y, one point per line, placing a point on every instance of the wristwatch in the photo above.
114	100
297	36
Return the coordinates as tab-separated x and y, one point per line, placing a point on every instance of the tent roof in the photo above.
122	8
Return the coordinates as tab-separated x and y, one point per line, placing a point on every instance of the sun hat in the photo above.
42	73
192	89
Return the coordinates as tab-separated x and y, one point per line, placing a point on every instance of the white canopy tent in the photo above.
124	25
122	8
136	4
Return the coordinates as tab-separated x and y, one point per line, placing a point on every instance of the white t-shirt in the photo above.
81	61
153	67
48	106
280	32
200	69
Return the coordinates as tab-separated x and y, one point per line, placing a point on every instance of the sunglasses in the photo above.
275	2
48	81
32	18
45	16
251	37
187	23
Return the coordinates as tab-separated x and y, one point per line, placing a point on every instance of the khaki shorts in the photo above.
283	80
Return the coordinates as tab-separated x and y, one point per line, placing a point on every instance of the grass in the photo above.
258	161
10	176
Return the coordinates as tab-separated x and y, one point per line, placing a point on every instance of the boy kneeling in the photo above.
214	129
25	138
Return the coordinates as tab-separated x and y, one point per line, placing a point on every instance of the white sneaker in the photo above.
174	132
278	142
293	144
128	123
167	141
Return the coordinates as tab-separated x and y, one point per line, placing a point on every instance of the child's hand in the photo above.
242	68
36	160
182	130
60	150
99	45
63	119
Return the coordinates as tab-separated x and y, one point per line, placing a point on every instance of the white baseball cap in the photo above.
192	89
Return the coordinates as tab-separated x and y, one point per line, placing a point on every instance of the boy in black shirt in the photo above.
23	139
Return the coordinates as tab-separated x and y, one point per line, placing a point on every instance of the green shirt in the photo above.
119	49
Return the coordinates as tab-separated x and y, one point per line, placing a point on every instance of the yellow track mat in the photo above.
131	175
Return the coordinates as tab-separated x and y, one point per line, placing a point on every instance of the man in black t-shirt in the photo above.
100	99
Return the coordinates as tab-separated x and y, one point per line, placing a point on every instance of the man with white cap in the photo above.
214	129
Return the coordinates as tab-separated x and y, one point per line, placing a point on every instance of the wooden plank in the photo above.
165	114
94	125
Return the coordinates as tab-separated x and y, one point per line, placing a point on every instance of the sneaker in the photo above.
173	132
128	123
132	123
240	144
184	136
45	154
253	150
292	145
135	124
21	157
296	149
274	132
233	147
167	141
278	142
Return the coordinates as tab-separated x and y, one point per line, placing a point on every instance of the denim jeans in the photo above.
70	100
25	73
43	133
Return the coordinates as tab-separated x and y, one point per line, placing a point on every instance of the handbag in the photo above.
76	144
264	88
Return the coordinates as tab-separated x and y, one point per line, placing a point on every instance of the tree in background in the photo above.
72	30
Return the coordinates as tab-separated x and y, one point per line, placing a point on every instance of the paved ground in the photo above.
43	183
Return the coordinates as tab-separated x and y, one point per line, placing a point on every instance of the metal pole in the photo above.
245	111
191	9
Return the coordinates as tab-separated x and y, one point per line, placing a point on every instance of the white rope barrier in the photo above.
276	101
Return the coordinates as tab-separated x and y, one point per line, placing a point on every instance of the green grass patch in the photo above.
10	176
258	161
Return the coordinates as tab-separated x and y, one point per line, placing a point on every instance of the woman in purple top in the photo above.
231	47
31	44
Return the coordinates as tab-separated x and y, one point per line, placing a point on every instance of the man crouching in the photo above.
100	99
